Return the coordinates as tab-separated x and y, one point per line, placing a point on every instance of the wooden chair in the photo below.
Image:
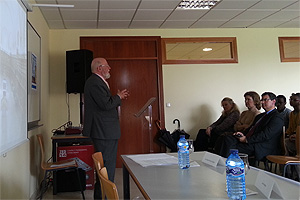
288	160
99	164
98	160
109	188
55	166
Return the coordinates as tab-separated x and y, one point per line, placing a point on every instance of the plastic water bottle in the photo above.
235	176
183	153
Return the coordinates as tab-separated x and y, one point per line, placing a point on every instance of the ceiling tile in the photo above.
237	24
152	14
265	24
178	1
275	4
284	15
176	24
113	24
221	14
159	4
145	24
235	5
253	14
116	14
207	24
76	24
45	1
117	4
294	6
82	4
290	24
68	1
187	14
51	14
55	24
85	14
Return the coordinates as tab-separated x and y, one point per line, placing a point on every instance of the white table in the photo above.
204	182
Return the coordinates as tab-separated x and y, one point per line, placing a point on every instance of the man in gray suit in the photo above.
101	119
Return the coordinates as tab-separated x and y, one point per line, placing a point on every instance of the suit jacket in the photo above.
267	135
101	119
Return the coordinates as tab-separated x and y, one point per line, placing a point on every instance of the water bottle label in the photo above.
236	171
183	148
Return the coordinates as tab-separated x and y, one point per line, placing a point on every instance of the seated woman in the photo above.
207	138
252	102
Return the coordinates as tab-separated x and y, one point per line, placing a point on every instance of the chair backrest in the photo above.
99	164
110	189
41	143
298	141
98	160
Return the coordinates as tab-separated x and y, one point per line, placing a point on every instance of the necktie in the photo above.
251	131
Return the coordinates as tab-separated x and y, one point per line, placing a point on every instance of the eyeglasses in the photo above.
265	100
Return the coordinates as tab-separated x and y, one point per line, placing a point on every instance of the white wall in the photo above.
194	91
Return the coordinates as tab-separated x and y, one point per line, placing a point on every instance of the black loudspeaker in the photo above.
78	69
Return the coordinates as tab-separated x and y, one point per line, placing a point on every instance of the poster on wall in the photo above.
33	71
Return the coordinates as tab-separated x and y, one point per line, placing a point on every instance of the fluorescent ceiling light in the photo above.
198	4
52	5
207	49
30	6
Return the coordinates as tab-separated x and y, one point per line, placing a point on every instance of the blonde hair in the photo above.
234	106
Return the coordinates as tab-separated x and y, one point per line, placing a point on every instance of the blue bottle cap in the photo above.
235	151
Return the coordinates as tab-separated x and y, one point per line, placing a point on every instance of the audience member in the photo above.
293	123
207	137
262	138
284	111
290	145
252	102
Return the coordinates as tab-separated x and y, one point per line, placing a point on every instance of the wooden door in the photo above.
135	65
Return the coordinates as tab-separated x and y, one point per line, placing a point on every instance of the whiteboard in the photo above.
34	74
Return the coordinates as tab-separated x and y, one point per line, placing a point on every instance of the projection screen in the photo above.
13	74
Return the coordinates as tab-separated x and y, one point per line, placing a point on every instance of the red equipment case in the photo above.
83	155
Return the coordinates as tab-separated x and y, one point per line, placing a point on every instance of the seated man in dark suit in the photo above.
262	137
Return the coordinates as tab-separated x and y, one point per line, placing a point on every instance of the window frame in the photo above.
283	57
231	40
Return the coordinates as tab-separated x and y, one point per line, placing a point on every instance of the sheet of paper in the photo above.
213	159
146	160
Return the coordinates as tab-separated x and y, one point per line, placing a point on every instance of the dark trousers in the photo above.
108	148
227	142
203	141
